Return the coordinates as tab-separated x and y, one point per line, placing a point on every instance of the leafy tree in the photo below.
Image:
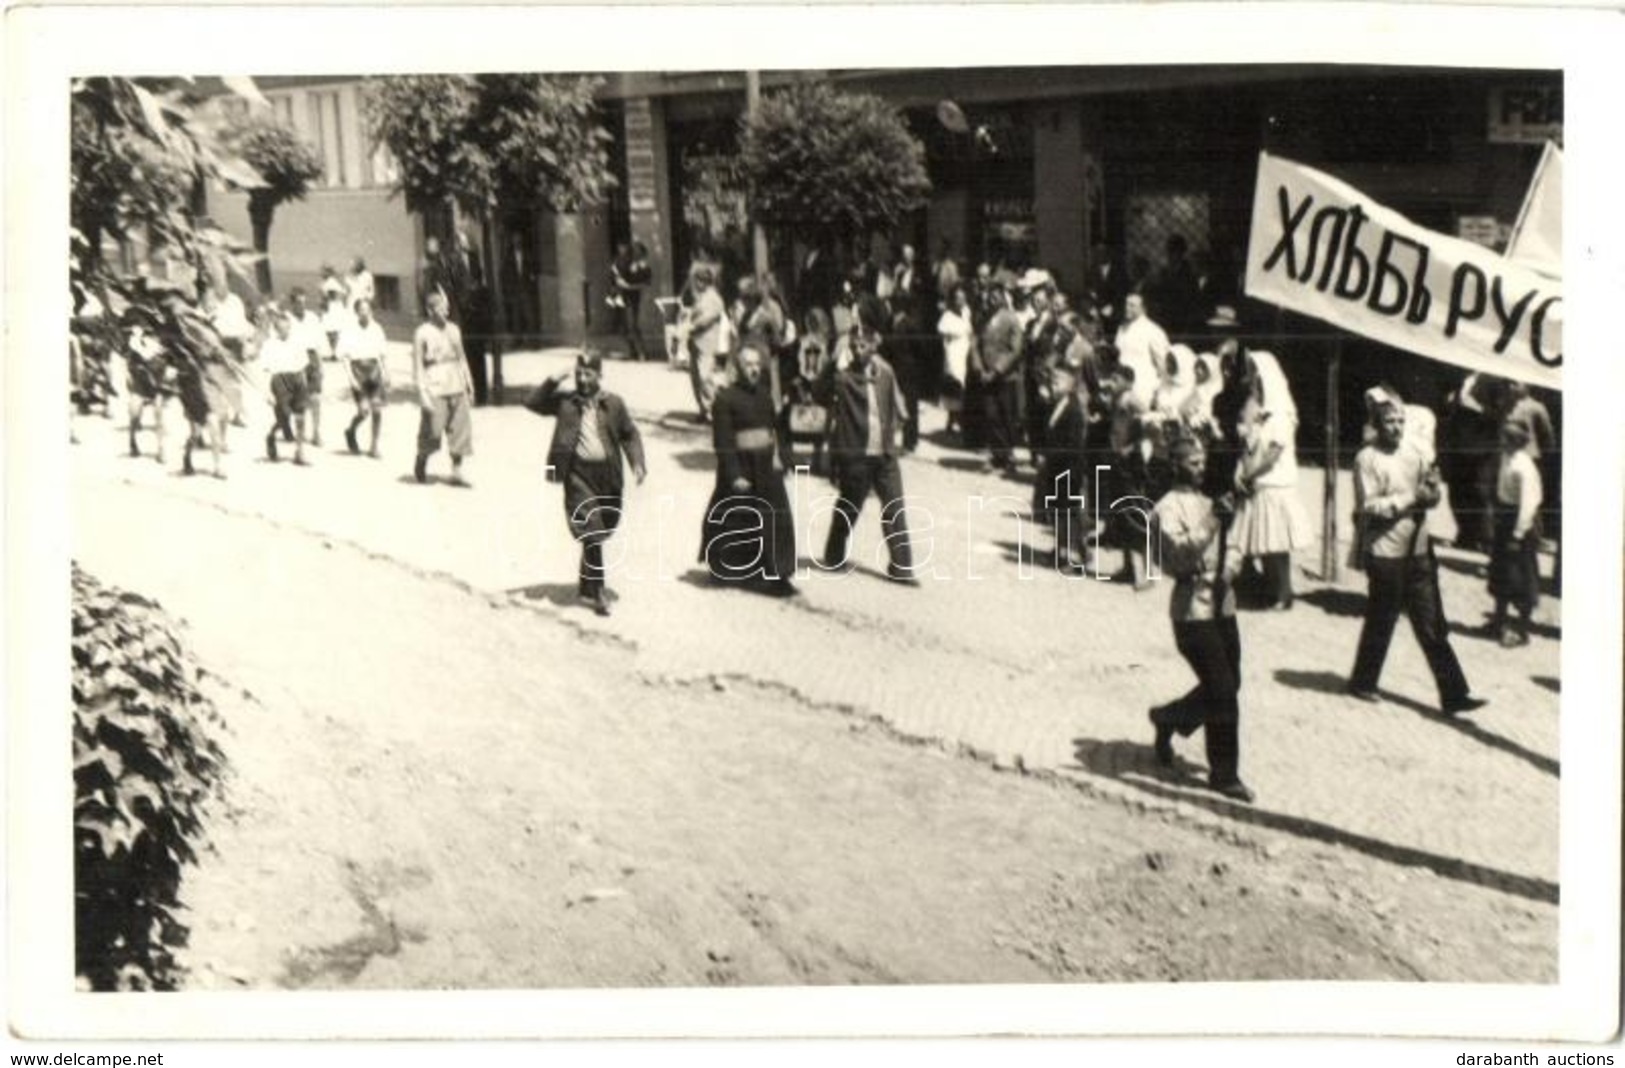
830	166
489	143
139	155
483	140
288	165
543	138
423	120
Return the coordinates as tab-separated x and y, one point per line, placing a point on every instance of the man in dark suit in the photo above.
911	342
866	403
593	432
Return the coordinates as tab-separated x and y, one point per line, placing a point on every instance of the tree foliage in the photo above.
138	153
828	164
143	766
488	139
287	163
141	151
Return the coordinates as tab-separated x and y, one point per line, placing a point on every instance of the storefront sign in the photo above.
1526	115
640	156
1321	247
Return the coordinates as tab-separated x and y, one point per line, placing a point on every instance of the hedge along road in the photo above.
436	787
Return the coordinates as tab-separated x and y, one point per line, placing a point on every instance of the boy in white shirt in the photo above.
285	360
1514	568
362	347
309	336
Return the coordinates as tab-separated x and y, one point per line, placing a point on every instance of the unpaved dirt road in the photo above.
438	788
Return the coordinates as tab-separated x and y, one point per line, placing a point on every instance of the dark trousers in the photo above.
1212	647
474	349
1277	577
592	506
1002	412
627	316
1412	587
855	478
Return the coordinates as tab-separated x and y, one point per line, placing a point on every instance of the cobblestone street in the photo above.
994	655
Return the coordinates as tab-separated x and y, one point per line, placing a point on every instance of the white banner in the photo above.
1537	237
1321	247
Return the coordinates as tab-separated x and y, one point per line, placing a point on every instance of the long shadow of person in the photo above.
1134	764
1331	683
1336	602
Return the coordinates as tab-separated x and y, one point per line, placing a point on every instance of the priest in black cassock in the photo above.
749	536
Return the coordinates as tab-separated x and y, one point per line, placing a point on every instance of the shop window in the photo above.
386	292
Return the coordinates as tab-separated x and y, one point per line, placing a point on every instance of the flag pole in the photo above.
1329	563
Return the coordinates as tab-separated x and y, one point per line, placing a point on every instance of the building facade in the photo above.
1062	166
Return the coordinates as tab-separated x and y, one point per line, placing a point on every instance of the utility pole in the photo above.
753	107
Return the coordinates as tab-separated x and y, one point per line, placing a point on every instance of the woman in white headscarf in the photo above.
1178	382
1270	520
1197	411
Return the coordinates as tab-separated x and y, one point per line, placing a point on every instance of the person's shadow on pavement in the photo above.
1331	683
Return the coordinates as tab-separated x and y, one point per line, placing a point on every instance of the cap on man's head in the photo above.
1224	318
589	360
1035	278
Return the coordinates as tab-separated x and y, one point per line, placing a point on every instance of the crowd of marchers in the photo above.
1172	445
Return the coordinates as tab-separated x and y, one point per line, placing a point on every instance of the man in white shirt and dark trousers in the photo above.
1395	485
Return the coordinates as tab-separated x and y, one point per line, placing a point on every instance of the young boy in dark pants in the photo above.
1192	528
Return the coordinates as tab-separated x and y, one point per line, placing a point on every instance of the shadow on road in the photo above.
432	479
1536	630
1546	682
1329	683
1336	602
1314	681
696	459
973	464
557	593
1128	763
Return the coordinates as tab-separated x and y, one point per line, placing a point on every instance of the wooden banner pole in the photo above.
1330	565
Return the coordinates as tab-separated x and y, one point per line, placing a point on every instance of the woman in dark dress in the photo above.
749	535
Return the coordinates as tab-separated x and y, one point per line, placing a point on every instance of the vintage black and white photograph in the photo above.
915	525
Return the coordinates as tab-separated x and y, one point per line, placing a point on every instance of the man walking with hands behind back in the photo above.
445	392
592	434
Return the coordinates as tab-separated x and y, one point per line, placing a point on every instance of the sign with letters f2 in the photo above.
1322	248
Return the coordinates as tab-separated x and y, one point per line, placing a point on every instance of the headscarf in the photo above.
1198	407
1275	394
1178	383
